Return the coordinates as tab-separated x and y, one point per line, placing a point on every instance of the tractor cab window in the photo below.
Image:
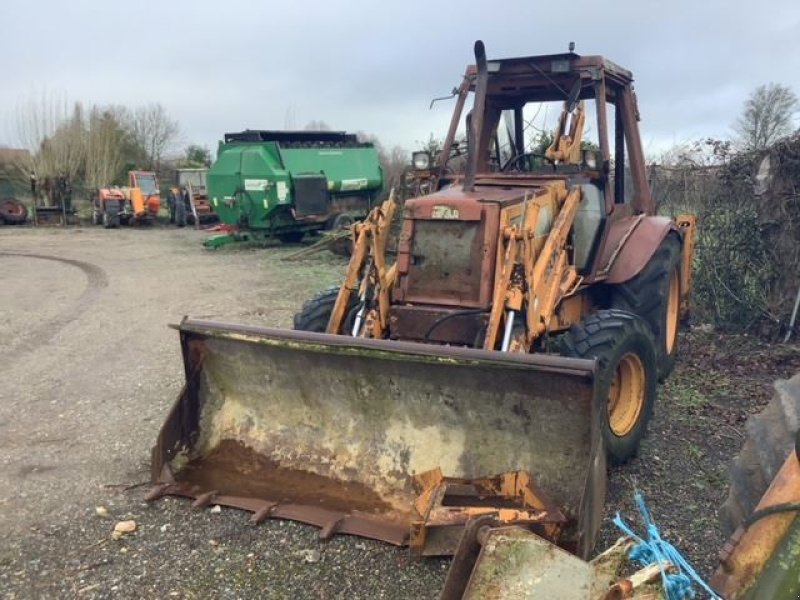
197	179
524	137
147	183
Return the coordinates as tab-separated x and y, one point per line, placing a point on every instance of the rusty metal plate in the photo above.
514	563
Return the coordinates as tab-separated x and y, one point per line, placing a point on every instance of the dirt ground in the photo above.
90	369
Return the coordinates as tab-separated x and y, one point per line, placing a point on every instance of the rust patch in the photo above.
232	468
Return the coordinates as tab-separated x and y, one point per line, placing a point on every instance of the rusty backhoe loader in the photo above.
490	366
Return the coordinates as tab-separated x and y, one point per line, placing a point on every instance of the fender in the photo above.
631	243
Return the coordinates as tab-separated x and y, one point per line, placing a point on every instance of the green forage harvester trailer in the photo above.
285	184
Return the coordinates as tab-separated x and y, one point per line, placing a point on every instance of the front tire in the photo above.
624	347
316	313
655	295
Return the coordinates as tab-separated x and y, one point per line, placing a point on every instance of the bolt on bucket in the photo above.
340	432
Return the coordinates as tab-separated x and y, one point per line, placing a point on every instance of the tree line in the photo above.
94	146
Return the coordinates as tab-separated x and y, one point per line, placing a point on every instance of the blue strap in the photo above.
656	550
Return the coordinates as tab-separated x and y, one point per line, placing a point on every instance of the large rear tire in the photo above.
13	212
772	435
180	211
655	295
624	347
111	214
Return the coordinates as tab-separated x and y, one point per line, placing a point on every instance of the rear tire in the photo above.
772	434
111	215
624	347
13	212
342	246
180	212
654	295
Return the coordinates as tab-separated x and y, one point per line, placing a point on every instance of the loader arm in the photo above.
687	224
368	275
533	271
553	276
566	147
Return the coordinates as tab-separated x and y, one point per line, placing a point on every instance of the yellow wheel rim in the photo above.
626	395
673	310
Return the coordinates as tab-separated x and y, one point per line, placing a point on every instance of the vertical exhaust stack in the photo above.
476	123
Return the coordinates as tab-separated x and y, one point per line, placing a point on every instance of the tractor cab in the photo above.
145	197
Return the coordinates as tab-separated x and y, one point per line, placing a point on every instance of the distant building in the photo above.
12	159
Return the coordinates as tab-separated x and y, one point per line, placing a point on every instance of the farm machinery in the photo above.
188	199
488	367
284	184
138	203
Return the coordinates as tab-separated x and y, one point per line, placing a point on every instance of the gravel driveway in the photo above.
90	369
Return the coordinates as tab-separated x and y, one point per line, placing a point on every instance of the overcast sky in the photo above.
374	66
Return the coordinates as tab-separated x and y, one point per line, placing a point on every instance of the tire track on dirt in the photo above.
96	281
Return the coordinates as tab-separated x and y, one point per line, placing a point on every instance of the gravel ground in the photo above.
90	370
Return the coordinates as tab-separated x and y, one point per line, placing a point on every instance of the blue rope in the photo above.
656	550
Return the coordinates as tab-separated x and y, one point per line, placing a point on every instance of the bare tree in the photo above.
766	117
104	147
394	162
154	131
53	132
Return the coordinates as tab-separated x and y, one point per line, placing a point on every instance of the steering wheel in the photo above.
524	162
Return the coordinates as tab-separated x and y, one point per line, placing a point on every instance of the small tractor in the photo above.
188	199
489	365
138	203
284	184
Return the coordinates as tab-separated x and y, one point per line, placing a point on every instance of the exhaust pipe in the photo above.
476	123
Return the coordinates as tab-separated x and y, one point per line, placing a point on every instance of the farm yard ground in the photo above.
90	369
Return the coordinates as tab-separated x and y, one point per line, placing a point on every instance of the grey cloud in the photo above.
374	66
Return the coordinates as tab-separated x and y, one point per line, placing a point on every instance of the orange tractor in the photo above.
489	364
139	202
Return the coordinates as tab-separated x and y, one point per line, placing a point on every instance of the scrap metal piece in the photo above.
749	551
495	562
446	504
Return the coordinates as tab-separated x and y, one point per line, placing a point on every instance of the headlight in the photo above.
421	160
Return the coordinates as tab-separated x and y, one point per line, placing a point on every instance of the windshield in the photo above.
520	138
197	179
147	183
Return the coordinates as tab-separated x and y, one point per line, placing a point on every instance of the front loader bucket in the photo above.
343	432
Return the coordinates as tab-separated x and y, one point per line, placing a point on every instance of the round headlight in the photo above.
421	160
